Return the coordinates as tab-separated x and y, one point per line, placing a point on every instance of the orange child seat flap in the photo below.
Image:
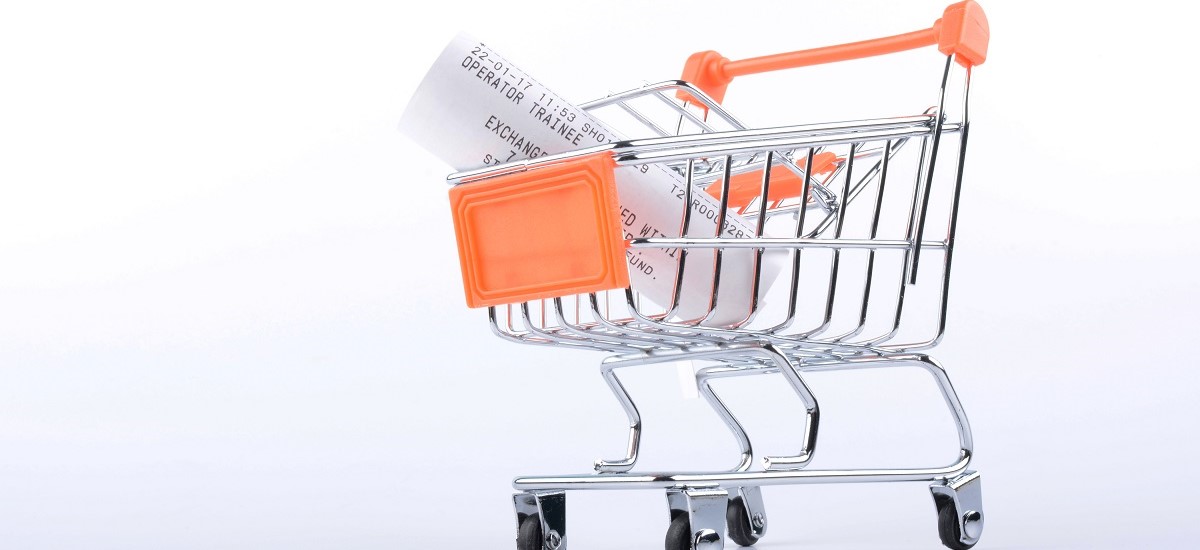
784	184
549	232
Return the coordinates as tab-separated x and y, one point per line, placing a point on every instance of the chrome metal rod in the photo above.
740	479
777	242
682	148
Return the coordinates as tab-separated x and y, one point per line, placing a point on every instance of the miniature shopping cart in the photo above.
845	212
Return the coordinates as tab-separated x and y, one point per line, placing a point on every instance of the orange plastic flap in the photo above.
543	233
785	184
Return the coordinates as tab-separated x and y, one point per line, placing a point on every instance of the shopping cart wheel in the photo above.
681	537
529	536
738	519
679	533
697	518
960	510
948	529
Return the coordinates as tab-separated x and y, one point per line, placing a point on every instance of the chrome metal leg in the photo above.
731	421
635	424
811	419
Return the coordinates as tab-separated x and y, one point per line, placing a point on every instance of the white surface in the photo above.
230	312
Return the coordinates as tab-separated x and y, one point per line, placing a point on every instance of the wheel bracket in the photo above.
705	507
551	508
965	494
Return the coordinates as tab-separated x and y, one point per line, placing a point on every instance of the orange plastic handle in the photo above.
962	32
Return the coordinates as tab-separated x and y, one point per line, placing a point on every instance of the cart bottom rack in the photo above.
704	506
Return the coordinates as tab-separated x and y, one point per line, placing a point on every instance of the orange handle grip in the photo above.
962	32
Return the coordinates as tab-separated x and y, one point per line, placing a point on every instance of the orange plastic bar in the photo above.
962	32
785	184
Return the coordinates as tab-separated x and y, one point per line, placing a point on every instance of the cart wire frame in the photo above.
820	220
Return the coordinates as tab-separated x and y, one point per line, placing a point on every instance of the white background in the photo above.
230	313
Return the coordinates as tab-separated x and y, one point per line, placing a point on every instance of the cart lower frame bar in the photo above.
740	478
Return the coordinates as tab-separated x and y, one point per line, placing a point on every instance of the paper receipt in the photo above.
475	109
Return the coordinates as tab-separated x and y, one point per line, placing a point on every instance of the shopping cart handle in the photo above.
962	32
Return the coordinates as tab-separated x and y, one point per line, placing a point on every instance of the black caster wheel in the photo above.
529	536
679	534
738	522
948	528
